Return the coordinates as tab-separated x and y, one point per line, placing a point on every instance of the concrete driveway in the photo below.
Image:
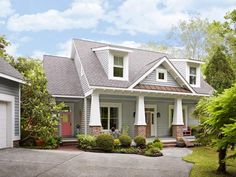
53	163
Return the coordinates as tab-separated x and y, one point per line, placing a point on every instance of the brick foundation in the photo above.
140	130
16	143
177	131
95	130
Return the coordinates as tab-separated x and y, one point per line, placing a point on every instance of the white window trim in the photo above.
117	105
111	67
158	70
186	115
198	70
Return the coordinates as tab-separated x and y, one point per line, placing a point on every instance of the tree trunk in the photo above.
222	164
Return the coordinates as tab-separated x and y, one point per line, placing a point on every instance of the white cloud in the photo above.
64	49
13	49
82	14
6	8
155	16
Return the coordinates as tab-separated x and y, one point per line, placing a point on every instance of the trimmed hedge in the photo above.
125	140
86	142
140	141
105	142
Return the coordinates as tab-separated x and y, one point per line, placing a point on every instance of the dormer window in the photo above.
161	75
118	68
193	75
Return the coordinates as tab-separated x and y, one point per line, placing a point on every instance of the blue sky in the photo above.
46	27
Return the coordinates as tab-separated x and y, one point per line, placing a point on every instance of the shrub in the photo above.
158	145
156	140
125	140
116	143
140	141
105	142
130	150
86	142
153	152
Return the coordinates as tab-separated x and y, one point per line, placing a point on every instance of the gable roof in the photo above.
9	72
62	76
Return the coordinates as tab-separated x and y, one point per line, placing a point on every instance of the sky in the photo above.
35	28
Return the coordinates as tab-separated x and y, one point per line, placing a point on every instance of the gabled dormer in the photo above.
115	61
190	69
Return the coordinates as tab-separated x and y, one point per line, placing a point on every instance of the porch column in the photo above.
140	122
95	125
178	123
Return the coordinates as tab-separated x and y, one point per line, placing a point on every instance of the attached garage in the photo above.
10	80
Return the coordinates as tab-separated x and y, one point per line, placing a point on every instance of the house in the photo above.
143	92
10	80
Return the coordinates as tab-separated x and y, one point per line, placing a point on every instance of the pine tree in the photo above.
219	72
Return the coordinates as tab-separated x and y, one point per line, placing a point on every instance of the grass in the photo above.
205	161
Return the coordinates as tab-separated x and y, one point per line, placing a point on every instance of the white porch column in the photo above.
140	111
178	112
95	117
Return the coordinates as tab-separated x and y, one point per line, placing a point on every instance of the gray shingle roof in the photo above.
62	76
140	61
7	69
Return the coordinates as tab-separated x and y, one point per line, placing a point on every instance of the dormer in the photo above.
190	69
115	61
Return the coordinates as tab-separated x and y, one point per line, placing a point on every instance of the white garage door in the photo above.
3	122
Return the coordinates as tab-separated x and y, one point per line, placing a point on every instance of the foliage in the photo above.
153	144
116	143
125	140
105	142
129	150
156	140
219	118
219	72
192	35
205	162
140	141
39	111
196	130
3	44
86	142
125	130
153	152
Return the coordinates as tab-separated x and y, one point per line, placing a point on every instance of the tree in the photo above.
39	111
219	72
219	116
192	35
3	44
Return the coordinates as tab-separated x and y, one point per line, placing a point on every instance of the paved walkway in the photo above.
49	163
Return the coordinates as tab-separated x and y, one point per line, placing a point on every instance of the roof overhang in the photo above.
187	60
12	78
111	48
67	96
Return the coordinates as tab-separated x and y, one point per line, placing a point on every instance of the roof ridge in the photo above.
56	56
116	45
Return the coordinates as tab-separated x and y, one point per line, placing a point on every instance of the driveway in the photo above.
49	163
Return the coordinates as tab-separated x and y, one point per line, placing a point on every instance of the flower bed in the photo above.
106	143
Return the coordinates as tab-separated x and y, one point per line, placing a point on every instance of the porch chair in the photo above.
187	131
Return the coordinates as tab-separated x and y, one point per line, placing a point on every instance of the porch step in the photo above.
169	144
69	142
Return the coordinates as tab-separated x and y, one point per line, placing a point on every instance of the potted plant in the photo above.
180	142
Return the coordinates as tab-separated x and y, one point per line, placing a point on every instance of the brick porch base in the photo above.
140	130
177	131
95	130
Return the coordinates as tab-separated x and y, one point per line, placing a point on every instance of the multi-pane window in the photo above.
161	75
192	75
110	117
118	70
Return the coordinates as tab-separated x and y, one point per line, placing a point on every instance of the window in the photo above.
110	117
118	69
161	75
192	75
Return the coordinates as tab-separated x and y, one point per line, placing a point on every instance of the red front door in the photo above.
66	124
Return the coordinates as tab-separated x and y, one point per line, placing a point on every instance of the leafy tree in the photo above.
192	35
219	73
39	111
3	44
219	116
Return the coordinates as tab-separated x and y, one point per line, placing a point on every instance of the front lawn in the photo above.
205	161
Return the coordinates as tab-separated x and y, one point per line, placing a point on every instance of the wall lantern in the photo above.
158	114
134	114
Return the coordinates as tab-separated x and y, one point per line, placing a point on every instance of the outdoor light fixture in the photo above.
158	114
133	114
